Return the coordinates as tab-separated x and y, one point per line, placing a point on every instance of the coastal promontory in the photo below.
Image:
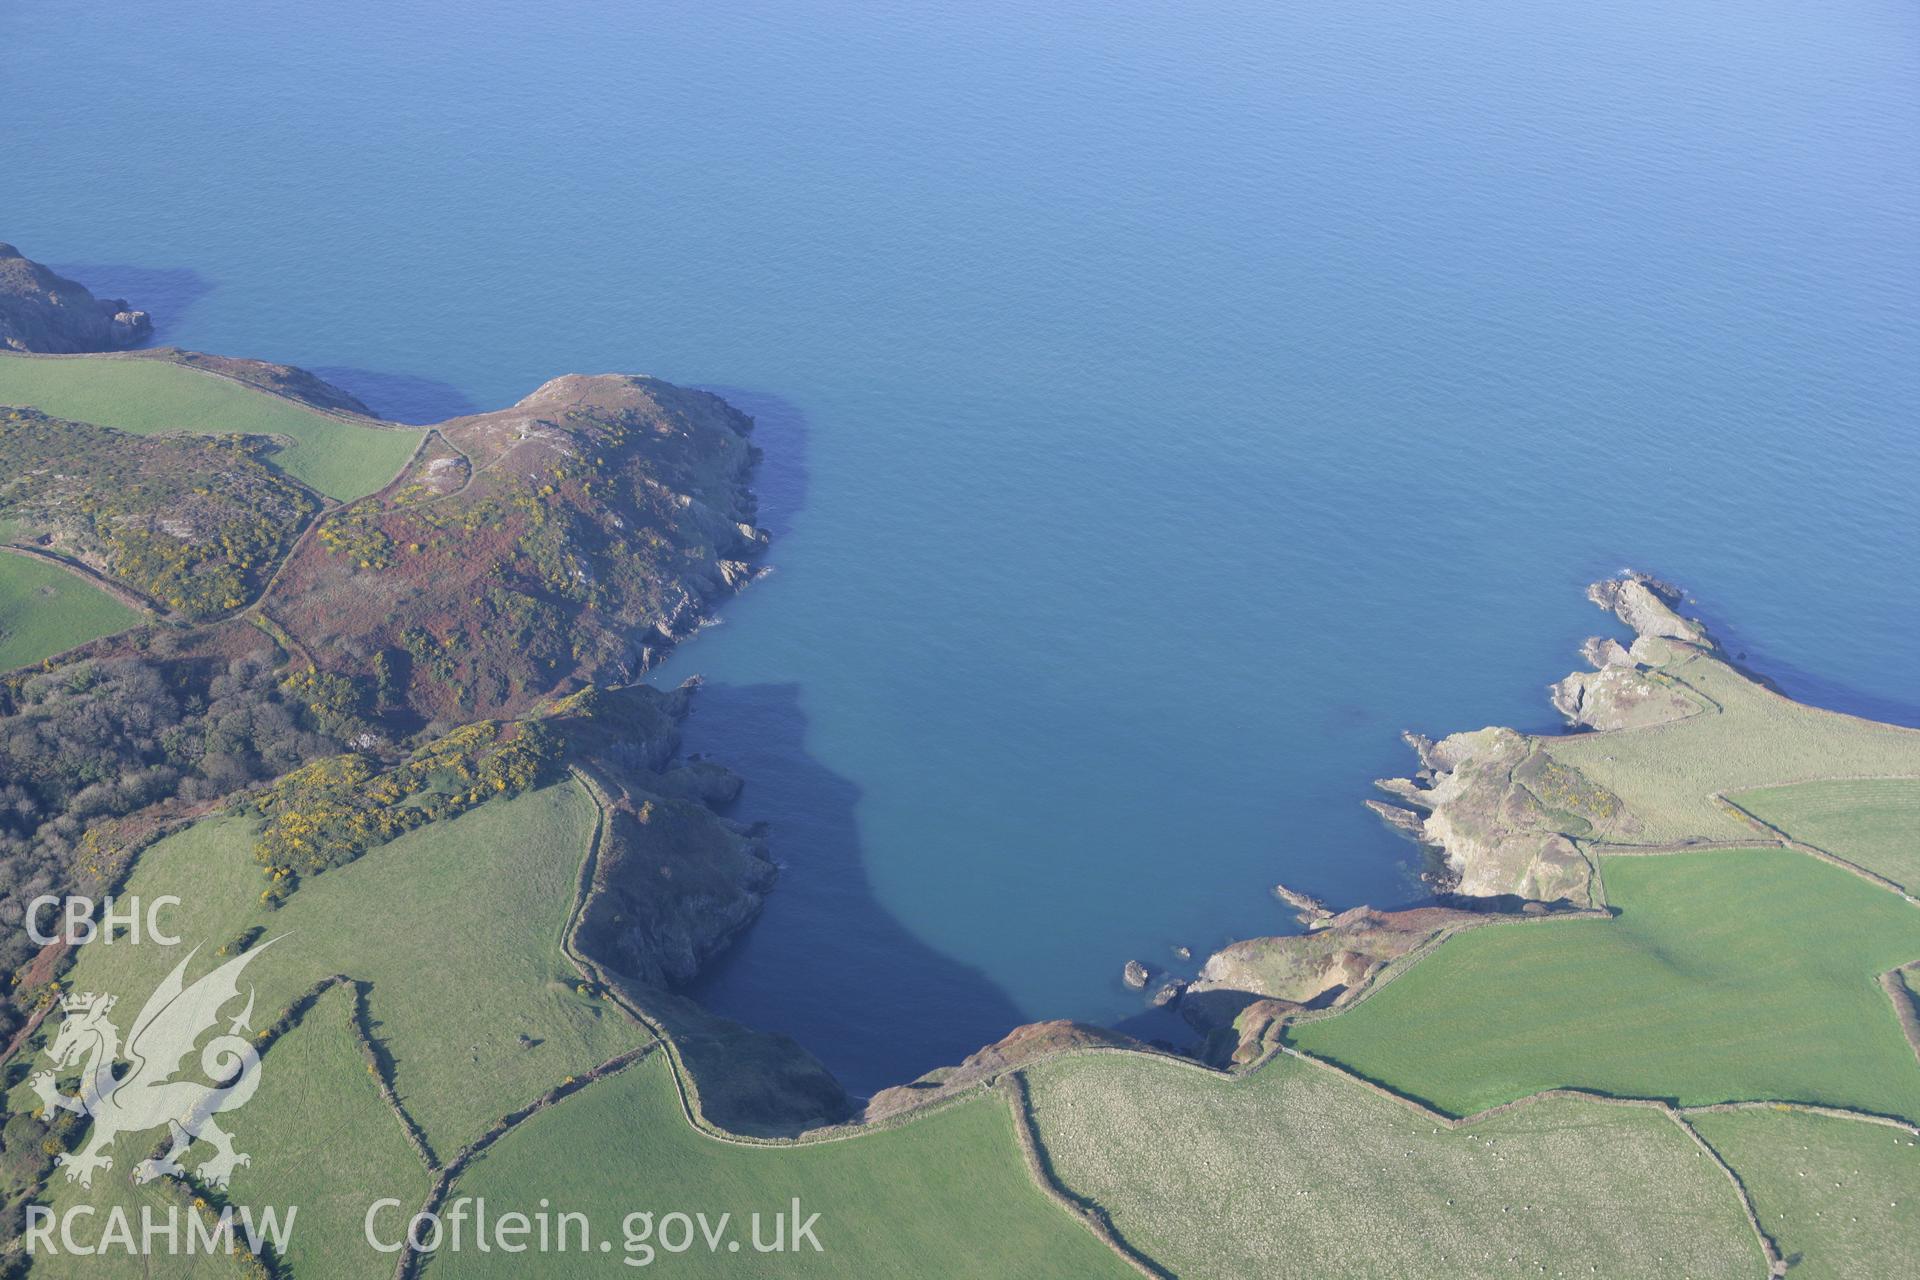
41	310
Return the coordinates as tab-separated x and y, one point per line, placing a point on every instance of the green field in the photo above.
456	927
322	1139
327	1142
1667	774
1873	822
1841	1199
45	610
1726	976
455	931
945	1196
1296	1171
328	454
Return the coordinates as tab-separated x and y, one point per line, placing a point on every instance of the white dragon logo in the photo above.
145	1097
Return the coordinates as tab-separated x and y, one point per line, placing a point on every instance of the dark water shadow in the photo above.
165	293
401	397
826	963
1167	1028
781	431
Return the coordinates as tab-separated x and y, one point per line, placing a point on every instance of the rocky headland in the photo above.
1499	814
1503	823
46	312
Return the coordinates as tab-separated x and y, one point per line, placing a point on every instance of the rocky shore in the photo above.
1502	822
1498	813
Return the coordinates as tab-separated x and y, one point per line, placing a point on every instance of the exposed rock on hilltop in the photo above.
570	539
42	311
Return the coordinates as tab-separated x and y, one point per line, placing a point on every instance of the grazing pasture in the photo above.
1295	1170
1726	976
1840	1198
332	455
46	610
455	928
1872	822
946	1195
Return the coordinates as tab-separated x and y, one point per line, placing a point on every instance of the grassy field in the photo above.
1840	1199
1726	976
1667	774
322	1140
327	1142
328	454
1294	1171
1874	822
945	1196
456	927
45	610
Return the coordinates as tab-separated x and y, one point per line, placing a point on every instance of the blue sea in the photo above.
1164	405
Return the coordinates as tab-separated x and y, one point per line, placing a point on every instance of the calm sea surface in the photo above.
1164	405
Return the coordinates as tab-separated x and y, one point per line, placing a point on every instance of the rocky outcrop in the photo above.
1313	968
44	312
1646	604
1247	986
1624	691
1308	910
1135	975
1500	816
1501	819
674	882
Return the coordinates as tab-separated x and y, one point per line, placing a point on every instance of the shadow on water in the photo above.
401	397
826	963
780	430
165	293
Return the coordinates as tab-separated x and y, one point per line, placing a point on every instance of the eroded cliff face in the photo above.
44	312
674	881
1624	690
1501	815
1020	1046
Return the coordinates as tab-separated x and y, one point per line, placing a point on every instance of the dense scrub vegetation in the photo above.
96	741
328	813
195	523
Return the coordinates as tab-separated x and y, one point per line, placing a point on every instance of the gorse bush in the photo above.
332	811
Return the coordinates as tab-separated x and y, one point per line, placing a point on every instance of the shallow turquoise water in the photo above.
1164	407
